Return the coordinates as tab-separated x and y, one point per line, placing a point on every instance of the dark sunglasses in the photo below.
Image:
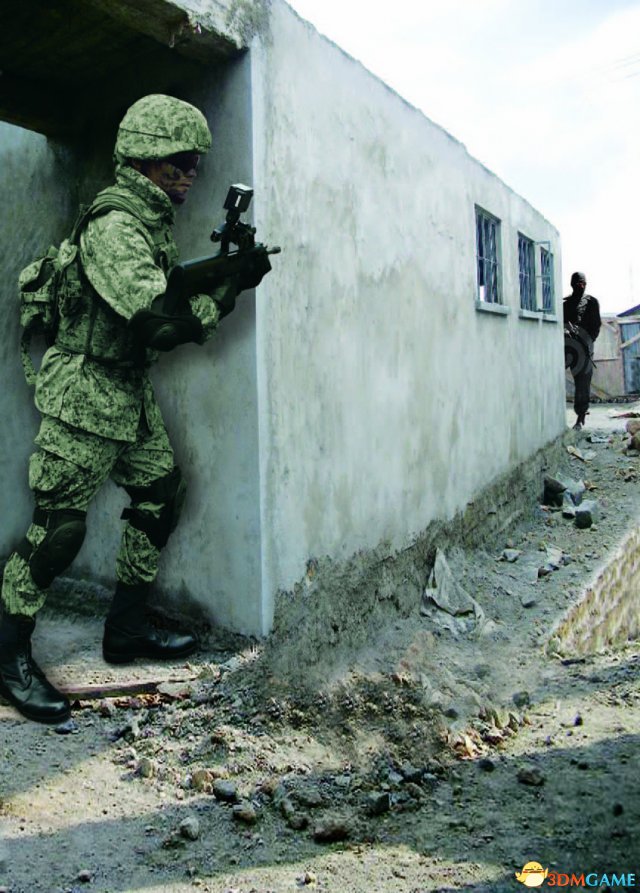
184	161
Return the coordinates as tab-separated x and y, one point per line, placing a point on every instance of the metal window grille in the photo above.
487	235
527	273
546	266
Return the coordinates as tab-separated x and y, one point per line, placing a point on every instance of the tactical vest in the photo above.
88	325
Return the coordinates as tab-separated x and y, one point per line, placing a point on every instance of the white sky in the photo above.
546	93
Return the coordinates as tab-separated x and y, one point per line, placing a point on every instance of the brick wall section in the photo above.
339	604
607	613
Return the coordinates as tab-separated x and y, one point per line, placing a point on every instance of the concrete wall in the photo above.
38	198
386	399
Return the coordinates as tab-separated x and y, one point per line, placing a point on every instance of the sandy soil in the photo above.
445	756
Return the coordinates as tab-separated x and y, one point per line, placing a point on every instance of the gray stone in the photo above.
378	802
553	490
521	698
577	490
331	830
225	791
245	812
69	727
587	514
146	768
568	505
530	775
296	820
190	828
309	797
413	773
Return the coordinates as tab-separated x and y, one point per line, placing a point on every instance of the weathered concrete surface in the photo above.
339	605
39	198
386	399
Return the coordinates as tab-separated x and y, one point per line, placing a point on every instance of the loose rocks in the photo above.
331	830
226	791
378	802
190	828
530	775
245	813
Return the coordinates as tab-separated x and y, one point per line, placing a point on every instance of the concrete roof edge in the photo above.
198	34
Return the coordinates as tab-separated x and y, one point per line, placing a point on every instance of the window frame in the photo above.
527	274
547	281
488	267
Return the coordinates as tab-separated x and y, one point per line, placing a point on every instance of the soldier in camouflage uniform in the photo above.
100	418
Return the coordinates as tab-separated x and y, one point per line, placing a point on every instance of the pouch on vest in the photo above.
53	285
43	292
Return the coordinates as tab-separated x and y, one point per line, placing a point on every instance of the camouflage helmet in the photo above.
157	126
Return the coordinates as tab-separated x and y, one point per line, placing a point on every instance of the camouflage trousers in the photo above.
66	471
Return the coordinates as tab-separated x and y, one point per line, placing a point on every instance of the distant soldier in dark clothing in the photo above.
582	327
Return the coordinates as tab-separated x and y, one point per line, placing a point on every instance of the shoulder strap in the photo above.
104	202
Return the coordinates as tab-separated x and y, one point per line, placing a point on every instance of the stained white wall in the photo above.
386	399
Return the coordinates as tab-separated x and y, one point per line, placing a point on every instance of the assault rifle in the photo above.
204	274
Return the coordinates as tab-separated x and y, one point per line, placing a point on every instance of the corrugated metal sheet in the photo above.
631	357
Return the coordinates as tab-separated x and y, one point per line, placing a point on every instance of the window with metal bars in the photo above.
546	267
526	266
488	257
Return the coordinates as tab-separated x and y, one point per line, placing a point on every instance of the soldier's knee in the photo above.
65	533
168	492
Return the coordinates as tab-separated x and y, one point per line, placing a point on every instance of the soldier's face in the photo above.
174	175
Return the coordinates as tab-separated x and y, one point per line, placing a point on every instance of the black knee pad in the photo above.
66	529
169	492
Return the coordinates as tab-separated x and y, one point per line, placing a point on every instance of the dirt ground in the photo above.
445	756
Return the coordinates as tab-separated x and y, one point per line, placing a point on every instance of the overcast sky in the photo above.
546	93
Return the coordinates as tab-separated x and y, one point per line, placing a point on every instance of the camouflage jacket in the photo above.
95	377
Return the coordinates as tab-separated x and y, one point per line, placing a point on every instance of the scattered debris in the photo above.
629	414
446	602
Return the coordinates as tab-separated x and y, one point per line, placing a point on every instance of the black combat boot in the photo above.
128	632
22	682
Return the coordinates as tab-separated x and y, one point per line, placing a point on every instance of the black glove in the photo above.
227	302
257	266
